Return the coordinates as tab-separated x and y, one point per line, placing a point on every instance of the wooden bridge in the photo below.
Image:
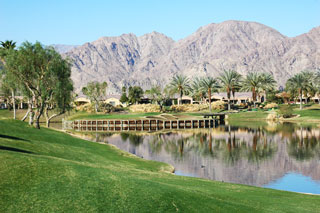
142	125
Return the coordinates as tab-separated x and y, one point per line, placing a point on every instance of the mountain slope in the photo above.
152	59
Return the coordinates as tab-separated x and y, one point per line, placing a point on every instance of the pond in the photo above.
280	156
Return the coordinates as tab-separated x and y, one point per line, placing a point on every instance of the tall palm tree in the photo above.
317	84
210	85
196	89
180	84
268	83
230	81
252	82
299	83
4	50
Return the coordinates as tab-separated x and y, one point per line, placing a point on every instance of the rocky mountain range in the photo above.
152	59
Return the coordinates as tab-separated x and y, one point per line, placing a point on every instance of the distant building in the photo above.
240	97
81	101
114	100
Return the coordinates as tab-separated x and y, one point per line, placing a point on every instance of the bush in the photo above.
89	107
218	105
106	108
189	107
144	108
286	111
270	106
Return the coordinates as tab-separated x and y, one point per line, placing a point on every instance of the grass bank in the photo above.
49	171
307	115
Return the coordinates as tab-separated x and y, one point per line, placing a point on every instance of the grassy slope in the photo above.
45	170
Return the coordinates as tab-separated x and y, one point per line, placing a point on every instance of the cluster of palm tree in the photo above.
306	84
229	81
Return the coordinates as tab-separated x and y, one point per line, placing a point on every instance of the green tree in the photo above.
94	91
252	82
180	84
268	84
230	81
37	68
135	94
210	85
159	96
124	98
299	83
9	80
197	91
61	96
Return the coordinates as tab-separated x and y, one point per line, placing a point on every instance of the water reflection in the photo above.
254	156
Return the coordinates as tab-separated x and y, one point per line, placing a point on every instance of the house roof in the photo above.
81	99
238	95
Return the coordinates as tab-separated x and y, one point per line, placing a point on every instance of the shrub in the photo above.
286	111
89	107
218	105
189	107
106	108
144	108
270	106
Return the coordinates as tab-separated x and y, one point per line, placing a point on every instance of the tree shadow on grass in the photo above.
14	149
12	137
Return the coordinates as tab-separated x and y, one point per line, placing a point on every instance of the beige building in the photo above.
81	101
114	100
240	97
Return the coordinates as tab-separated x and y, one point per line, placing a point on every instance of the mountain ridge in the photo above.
153	58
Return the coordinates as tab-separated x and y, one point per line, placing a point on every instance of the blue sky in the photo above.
79	21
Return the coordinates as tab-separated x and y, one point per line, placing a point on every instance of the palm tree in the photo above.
196	89
180	84
317	84
211	85
252	82
230	81
267	83
8	44
4	50
299	83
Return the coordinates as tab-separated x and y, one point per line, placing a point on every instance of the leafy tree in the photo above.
159	96
299	83
61	97
210	85
135	94
8	80
124	98
230	81
94	91
180	84
252	82
39	70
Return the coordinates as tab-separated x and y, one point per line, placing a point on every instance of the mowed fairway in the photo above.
49	171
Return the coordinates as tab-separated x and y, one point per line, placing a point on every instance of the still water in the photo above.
280	156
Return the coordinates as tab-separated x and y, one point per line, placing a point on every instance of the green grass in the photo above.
247	116
49	171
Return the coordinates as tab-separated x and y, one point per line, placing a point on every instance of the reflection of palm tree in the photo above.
209	148
232	153
135	140
156	143
124	136
303	148
261	149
